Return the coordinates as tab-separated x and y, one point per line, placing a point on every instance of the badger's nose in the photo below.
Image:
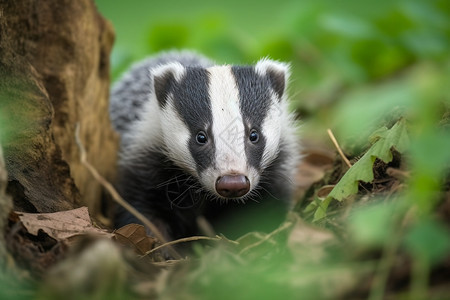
232	186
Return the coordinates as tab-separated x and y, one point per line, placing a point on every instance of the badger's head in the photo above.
223	124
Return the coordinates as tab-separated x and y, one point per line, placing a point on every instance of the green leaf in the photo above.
321	211
362	170
428	239
372	225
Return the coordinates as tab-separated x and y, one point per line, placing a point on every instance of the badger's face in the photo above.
223	124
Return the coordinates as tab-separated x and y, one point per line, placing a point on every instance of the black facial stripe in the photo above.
277	81
163	86
191	100
255	101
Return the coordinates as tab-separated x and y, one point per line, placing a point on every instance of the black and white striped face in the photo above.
223	124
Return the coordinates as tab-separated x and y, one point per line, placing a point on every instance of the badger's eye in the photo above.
201	138
254	136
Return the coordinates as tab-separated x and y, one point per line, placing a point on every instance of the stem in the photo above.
184	240
419	278
387	260
116	197
336	144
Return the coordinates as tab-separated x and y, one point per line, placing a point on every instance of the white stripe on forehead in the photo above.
228	127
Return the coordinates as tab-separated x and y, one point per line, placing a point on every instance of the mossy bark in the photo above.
54	74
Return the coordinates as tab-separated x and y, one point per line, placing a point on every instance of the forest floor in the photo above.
355	248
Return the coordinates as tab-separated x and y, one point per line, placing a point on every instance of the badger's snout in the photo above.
232	186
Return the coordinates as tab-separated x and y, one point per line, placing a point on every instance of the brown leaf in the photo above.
319	157
61	225
134	235
309	243
323	192
313	166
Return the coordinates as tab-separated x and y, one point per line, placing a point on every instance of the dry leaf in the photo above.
319	157
309	243
61	225
135	235
323	192
313	166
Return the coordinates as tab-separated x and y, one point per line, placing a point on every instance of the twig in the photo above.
116	197
184	240
333	139
387	259
267	237
398	174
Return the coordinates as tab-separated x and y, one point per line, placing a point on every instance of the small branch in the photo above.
184	240
117	198
333	139
267	237
398	174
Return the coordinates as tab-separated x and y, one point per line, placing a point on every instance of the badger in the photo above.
200	139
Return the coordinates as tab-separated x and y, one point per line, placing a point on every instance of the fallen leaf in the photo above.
61	225
313	166
319	157
324	191
308	243
135	235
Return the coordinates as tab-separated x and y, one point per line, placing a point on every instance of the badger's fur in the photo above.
201	139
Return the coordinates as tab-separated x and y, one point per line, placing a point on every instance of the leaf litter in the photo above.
61	225
303	256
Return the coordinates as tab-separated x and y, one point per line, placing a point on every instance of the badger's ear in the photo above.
165	78
276	72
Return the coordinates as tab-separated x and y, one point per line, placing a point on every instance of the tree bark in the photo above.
5	205
54	74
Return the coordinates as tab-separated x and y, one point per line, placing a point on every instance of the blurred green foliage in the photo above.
349	42
352	58
356	66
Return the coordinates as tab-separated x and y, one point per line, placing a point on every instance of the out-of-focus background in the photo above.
341	52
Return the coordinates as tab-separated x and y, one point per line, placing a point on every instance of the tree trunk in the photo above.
54	74
5	205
